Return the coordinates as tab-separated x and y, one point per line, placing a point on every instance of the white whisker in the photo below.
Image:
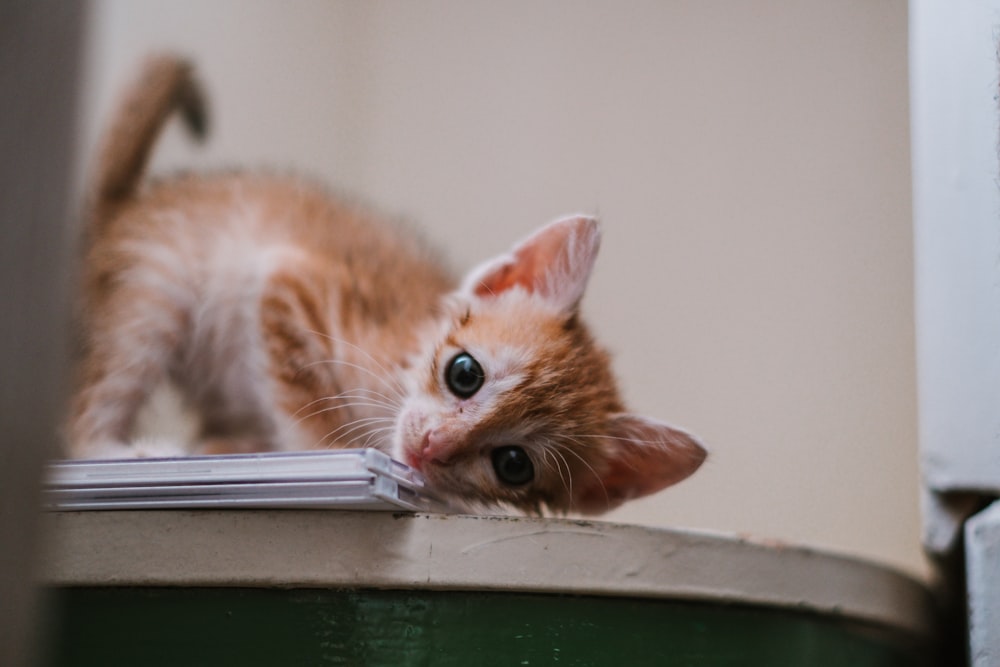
399	389
546	451
359	393
353	426
396	390
353	404
562	446
372	434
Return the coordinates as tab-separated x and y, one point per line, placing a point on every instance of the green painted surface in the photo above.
191	627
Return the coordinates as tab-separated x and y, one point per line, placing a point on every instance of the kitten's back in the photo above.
383	269
233	284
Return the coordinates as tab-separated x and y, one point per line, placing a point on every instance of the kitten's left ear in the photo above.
647	456
553	263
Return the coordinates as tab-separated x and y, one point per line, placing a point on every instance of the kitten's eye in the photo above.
513	466
464	375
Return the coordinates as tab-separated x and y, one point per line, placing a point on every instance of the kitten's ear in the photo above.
647	456
554	263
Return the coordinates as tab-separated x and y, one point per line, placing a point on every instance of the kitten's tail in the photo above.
166	83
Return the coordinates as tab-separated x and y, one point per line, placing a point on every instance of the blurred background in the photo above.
749	161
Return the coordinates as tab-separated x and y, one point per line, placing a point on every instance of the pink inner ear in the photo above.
647	456
554	262
504	277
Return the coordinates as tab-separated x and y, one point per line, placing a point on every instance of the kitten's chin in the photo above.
410	439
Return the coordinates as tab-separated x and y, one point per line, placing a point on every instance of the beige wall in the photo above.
750	162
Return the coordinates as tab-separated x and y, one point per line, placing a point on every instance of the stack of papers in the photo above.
357	479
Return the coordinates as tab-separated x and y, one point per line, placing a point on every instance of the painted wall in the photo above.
750	162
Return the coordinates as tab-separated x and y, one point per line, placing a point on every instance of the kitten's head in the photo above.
513	402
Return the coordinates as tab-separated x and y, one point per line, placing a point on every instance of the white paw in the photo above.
140	448
159	448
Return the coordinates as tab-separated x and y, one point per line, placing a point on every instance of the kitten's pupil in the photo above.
513	466
464	376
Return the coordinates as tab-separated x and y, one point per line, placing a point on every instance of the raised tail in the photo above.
166	83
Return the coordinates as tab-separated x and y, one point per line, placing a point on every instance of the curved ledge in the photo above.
308	548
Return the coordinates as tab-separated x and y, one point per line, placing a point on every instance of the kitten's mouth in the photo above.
415	462
415	455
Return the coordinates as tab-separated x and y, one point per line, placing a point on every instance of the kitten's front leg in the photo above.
328	392
132	338
138	448
298	371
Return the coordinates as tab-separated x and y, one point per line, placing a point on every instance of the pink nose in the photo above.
437	446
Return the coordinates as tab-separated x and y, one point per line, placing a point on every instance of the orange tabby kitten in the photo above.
294	320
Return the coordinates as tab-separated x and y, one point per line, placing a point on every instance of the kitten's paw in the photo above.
159	448
216	446
140	448
101	449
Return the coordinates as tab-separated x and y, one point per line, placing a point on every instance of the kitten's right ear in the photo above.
554	263
644	456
